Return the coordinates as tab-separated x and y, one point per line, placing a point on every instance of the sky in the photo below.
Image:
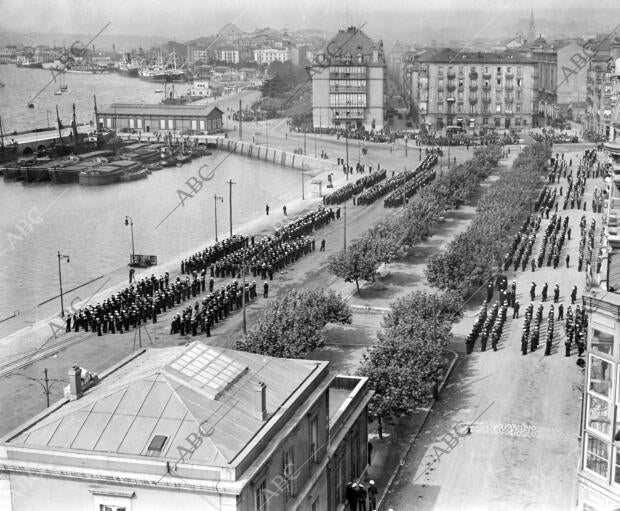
186	19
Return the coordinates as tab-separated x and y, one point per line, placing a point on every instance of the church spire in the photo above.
531	30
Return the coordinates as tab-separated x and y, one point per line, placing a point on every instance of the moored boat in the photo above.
134	175
101	175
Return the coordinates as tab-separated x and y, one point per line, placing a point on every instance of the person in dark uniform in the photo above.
556	293
533	291
322	249
544	292
284	210
561	312
516	306
567	258
265	290
267	209
573	294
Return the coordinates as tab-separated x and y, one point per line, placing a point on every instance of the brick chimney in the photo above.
260	401
75	383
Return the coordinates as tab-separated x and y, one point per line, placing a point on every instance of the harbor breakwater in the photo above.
272	155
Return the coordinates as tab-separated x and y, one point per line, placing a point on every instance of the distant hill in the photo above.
104	41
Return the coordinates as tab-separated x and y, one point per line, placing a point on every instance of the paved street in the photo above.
523	413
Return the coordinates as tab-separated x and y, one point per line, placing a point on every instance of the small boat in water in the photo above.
154	166
134	175
183	158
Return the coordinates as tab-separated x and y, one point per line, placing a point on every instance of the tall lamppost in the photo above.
215	199
62	306
129	221
46	384
230	185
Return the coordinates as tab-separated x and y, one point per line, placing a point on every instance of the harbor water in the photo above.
173	212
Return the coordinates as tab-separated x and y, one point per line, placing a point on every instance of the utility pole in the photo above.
346	143
304	141
240	121
345	227
62	307
230	183
266	129
406	145
245	328
302	185
215	199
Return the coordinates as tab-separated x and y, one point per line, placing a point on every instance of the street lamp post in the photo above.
302	185
62	306
215	199
129	221
230	185
346	143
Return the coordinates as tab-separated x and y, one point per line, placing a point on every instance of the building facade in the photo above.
193	428
154	118
479	91
572	73
599	465
600	99
229	55
349	83
265	56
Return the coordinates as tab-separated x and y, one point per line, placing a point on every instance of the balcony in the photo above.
486	75
509	99
343	89
451	86
347	76
509	76
473	75
486	86
450	99
473	100
451	74
509	86
473	86
486	99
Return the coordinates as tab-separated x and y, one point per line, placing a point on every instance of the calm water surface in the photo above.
87	223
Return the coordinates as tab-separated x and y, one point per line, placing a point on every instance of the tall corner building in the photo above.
501	90
599	463
349	83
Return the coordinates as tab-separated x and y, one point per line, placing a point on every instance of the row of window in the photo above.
347	100
164	124
498	96
486	108
460	83
486	69
497	121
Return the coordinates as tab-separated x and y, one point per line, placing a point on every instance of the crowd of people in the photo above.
146	299
554	237
382	188
522	244
352	189
424	176
487	325
586	245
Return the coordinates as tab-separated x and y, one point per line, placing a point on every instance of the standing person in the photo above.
544	292
515	314
573	295
561	312
322	249
265	290
362	495
533	291
556	293
372	495
369	454
267	209
567	259
131	275
284	210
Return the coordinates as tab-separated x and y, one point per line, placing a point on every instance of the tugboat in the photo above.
128	66
25	62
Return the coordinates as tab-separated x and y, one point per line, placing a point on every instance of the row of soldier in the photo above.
213	309
586	243
401	194
523	243
554	236
382	188
352	189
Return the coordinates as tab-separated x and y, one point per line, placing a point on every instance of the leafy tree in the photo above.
406	363
358	262
293	326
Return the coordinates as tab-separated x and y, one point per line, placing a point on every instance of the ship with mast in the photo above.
161	71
